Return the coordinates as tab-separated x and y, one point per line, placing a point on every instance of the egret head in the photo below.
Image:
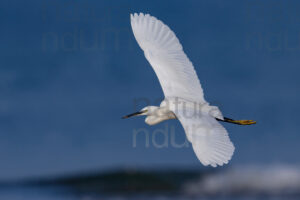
145	111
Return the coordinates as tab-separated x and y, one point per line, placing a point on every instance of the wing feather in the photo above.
164	52
209	138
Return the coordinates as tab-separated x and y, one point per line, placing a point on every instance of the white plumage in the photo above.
181	86
164	52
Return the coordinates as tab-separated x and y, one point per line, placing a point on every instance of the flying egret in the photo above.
184	99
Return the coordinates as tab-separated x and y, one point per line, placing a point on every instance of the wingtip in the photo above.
133	15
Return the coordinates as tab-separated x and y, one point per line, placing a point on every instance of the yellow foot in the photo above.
243	122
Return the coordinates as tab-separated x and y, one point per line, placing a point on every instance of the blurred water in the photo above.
264	180
36	193
244	182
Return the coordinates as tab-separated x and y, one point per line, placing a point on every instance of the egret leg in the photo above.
239	122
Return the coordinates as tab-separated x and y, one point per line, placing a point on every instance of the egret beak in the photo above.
134	114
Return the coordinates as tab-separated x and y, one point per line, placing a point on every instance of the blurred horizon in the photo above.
69	70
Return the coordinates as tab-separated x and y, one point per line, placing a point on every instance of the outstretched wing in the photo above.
209	138
164	52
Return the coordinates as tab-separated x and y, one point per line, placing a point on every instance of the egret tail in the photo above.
239	122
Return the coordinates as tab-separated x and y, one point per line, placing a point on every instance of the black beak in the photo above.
133	114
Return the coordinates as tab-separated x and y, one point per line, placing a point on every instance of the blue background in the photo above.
70	69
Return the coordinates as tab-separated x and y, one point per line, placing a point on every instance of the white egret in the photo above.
184	99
